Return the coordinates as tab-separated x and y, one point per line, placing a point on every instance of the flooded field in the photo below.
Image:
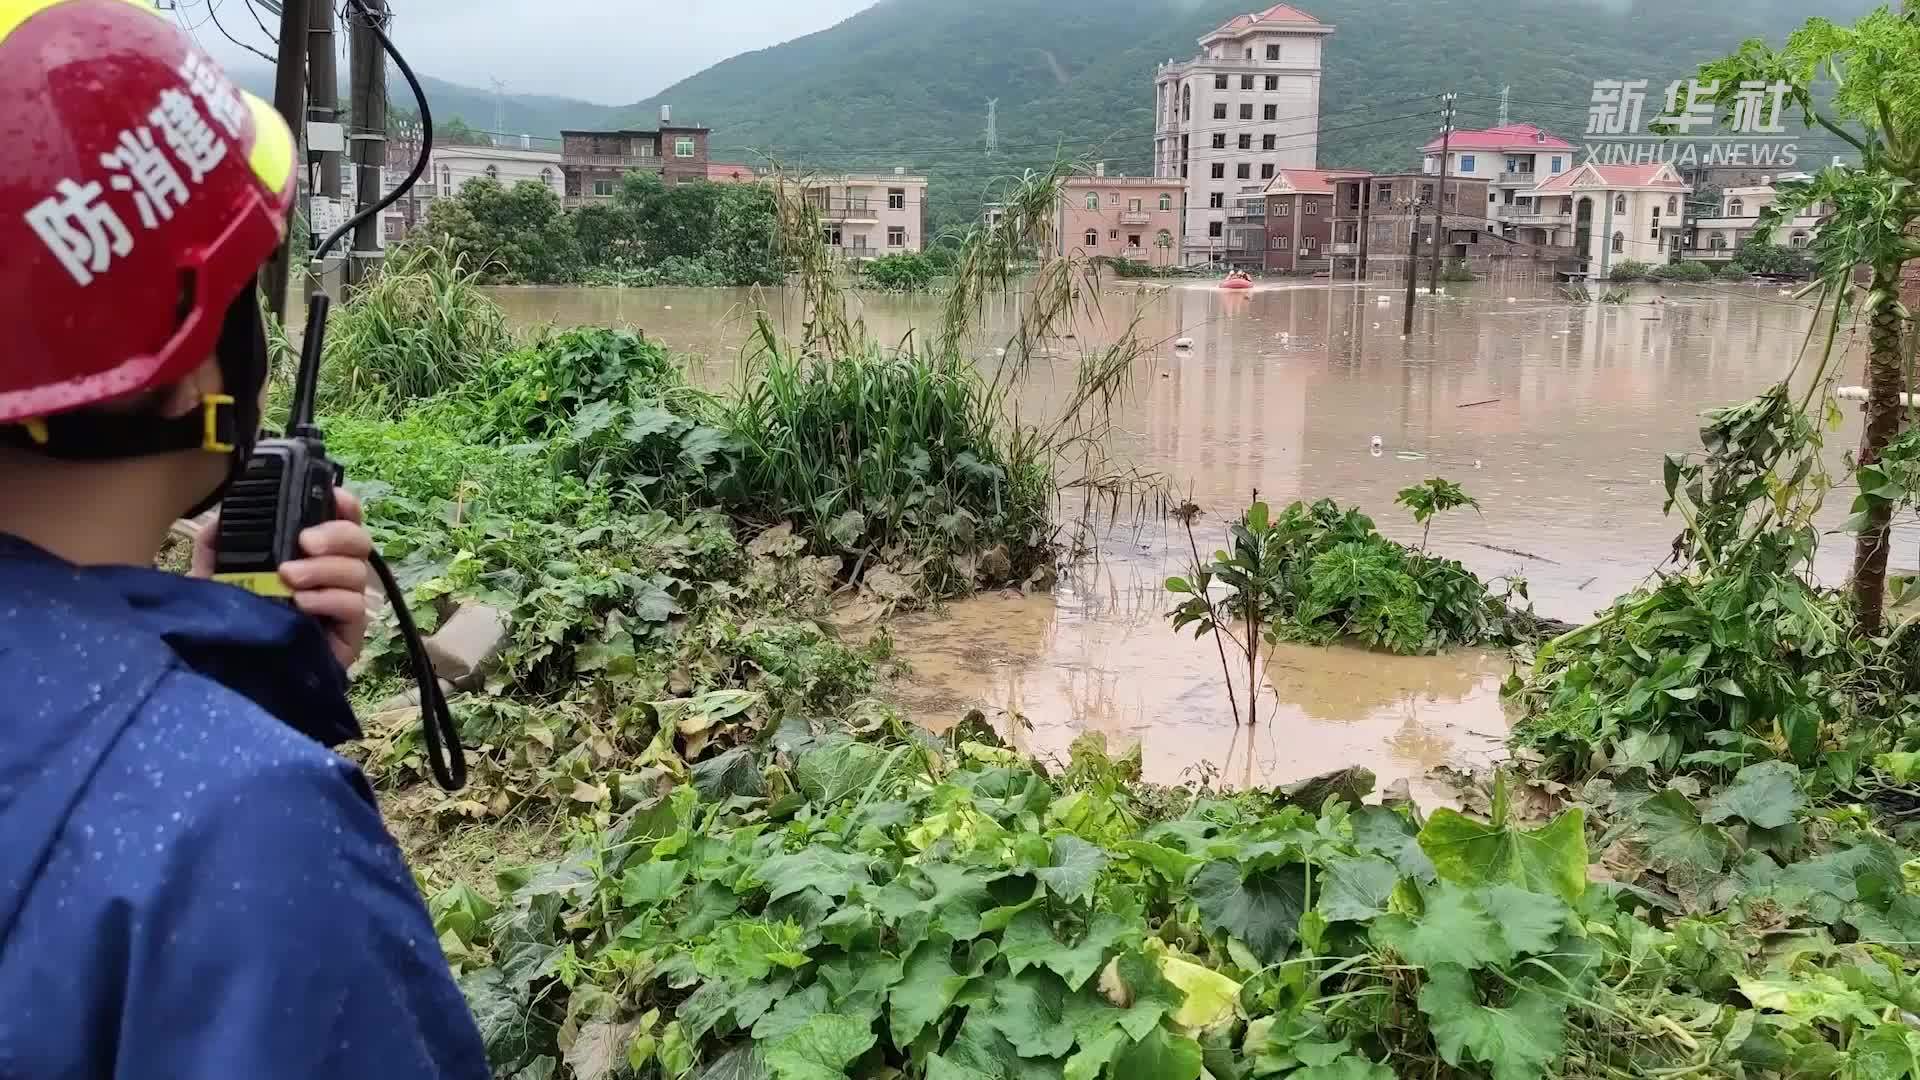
1555	415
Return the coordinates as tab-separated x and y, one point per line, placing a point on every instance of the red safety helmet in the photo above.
141	193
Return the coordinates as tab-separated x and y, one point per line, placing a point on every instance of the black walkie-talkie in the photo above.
286	487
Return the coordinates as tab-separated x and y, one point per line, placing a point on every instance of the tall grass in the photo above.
418	327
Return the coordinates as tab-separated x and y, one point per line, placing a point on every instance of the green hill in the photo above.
539	115
906	82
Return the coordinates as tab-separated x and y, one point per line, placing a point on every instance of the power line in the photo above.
214	12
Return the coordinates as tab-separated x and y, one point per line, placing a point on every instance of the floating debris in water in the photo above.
1183	343
1510	299
1376	442
1409	455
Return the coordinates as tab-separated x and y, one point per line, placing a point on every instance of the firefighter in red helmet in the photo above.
191	882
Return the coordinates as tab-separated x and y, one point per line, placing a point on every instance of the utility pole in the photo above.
1440	208
323	91
369	138
1413	270
289	99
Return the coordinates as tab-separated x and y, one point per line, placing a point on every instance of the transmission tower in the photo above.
993	126
499	111
1503	104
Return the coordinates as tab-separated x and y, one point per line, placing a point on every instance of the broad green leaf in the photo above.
959	899
1550	859
820	1049
1076	868
1210	996
1888	1052
1454	929
739	1063
980	1046
836	767
1767	794
834	873
1029	941
1676	837
1529	922
1516	1042
1262	909
940	1068
735	772
1356	889
1162	1055
926	991
1029	1010
1169	863
1350	1067
651	882
1811	997
791	1013
1095	1053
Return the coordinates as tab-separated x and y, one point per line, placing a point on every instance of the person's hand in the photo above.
330	584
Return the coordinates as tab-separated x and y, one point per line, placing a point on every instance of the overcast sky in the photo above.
611	51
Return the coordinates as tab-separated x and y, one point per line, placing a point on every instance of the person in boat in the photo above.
1240	275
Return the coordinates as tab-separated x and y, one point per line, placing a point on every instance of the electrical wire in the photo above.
213	10
253	10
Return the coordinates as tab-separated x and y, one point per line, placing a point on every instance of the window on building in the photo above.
1270	112
1219	140
683	148
1307	242
1266	170
1426	194
1736	208
1133	240
1313	207
1673	205
546	177
1246	82
1383	194
1276	241
1162	239
1266	142
1219	170
1273	52
1186	103
1113	234
1093	200
1243	171
896	198
1249	52
896	236
1214	228
1113	198
1216	200
1619	243
1554	165
1619	204
446	180
1466	163
1282	208
1092	238
1653	231
1246	112
1246	142
1133	206
1166	202
1219	82
603	187
1273	82
1798	240
1718	241
1219	110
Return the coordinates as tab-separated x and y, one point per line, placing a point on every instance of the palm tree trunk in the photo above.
1885	376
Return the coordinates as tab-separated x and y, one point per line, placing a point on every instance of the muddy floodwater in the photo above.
1555	415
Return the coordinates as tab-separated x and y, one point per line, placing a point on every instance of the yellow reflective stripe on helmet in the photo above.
15	12
272	153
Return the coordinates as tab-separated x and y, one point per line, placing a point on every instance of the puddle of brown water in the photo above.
1554	414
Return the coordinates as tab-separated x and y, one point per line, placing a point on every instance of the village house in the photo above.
1728	227
1124	217
595	161
1613	213
867	215
1299	228
1513	159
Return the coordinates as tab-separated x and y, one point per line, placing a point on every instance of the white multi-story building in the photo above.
1612	213
1720	237
452	166
1513	159
1228	120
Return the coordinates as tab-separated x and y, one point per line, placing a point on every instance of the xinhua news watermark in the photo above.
1755	133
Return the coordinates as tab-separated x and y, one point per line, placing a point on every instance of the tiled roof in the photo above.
1308	181
1276	13
1500	138
725	170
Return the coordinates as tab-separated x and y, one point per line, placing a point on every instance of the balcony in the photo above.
1246	217
849	209
1514	216
1343	249
1134	217
613	161
860	251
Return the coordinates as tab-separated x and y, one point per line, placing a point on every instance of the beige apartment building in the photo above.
1121	217
1612	213
1228	120
1719	236
867	215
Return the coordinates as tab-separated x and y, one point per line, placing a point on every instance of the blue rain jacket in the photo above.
191	883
